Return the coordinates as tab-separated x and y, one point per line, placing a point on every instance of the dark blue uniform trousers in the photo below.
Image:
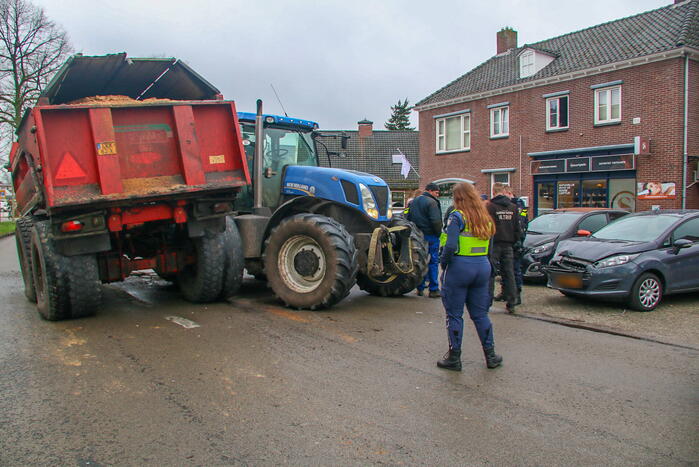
466	280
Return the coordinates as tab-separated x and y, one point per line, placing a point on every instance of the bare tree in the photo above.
32	48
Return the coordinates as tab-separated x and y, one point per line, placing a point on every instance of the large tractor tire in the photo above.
23	238
234	263
310	261
66	286
201	281
399	284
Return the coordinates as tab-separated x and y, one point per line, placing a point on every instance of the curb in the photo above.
595	328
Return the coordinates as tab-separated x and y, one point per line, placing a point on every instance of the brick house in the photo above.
371	151
605	116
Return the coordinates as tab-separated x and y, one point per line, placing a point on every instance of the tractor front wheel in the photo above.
310	261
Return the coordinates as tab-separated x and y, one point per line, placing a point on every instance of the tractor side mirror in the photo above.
583	233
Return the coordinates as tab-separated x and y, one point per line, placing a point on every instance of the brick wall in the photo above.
693	132
652	92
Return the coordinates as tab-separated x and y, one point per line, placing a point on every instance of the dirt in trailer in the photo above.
118	100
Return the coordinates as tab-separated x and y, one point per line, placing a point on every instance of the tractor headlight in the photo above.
368	201
389	213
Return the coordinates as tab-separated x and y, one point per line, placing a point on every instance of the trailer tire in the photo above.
403	283
201	282
310	261
23	238
234	260
50	275
84	285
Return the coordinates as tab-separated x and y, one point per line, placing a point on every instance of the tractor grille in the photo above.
381	197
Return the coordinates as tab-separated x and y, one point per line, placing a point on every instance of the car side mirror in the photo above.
583	233
681	243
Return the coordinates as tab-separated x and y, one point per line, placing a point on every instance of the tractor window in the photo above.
287	147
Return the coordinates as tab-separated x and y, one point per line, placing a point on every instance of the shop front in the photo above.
568	180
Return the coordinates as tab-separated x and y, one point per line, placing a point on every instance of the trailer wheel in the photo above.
23	238
201	282
84	285
50	275
393	286
310	261
234	260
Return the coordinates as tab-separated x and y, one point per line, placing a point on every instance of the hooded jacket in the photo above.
426	213
507	225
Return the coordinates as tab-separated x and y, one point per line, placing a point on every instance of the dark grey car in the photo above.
638	259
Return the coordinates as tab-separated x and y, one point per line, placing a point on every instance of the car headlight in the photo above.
617	260
543	248
368	201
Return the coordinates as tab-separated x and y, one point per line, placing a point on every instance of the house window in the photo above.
557	113
498	177
454	133
608	105
499	122
526	64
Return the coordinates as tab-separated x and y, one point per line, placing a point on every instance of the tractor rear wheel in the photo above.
399	284
310	261
23	238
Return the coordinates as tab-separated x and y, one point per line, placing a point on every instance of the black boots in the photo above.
492	360
452	360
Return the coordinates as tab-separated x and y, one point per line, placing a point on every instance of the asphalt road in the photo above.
257	384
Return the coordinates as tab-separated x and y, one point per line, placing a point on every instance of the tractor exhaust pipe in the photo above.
257	160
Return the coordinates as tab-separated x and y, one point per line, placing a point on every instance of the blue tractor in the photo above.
314	232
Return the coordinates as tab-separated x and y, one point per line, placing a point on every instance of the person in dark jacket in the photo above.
426	213
507	233
517	248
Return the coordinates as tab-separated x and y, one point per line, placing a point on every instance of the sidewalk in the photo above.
675	321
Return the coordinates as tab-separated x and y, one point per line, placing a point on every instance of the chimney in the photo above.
365	128
507	39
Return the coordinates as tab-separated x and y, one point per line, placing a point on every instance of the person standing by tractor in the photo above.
426	213
507	233
466	275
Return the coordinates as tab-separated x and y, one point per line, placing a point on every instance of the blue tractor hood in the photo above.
342	186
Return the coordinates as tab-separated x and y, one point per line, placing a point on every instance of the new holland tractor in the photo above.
314	232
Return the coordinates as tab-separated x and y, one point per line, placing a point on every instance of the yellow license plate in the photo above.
569	281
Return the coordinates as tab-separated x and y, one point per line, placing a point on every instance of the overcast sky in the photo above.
335	62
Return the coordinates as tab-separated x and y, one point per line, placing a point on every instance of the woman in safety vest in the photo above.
466	275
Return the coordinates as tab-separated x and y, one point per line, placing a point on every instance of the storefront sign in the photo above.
578	164
583	164
553	166
620	162
656	190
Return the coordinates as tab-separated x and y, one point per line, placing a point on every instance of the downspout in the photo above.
520	165
684	150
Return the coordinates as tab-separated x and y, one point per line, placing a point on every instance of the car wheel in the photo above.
646	292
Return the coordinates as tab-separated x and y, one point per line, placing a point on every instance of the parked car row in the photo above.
610	254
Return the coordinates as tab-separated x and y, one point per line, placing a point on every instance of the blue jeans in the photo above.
432	276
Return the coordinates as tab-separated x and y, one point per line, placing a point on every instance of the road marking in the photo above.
184	322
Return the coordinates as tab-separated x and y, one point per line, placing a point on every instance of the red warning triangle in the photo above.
69	168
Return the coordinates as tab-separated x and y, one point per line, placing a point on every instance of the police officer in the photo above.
426	212
466	275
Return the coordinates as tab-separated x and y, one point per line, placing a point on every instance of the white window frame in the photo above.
503	124
548	113
464	132
608	92
492	180
527	64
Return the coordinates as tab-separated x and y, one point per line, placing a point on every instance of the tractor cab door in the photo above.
282	147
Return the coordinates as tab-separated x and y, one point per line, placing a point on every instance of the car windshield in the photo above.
553	223
636	228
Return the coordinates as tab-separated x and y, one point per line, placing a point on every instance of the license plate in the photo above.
569	281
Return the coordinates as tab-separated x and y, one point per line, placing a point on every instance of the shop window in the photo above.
568	194
557	113
454	133
608	105
594	194
622	193
545	196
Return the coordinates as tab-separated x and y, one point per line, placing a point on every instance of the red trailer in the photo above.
143	179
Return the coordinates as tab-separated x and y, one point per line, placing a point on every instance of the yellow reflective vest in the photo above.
469	244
